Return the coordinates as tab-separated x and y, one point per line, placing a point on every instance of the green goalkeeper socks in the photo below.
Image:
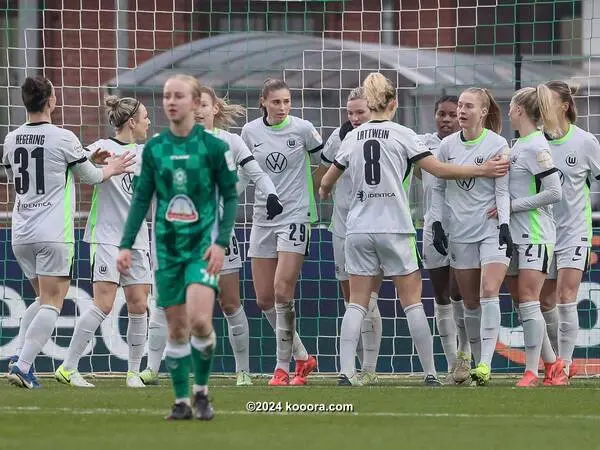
203	349
179	369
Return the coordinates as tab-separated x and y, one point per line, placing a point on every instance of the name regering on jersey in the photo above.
34	139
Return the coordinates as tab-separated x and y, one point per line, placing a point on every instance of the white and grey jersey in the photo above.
468	200
342	192
531	168
378	157
577	157
111	200
248	168
283	152
41	159
432	142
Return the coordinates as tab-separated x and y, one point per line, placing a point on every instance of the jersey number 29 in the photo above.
22	178
372	153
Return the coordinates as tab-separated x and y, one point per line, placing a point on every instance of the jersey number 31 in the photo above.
22	178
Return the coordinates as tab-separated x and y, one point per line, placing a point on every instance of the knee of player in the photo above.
230	304
284	290
104	305
137	299
201	324
489	288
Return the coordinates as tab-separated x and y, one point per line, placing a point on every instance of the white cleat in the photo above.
133	380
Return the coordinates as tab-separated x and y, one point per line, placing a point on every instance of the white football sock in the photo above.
490	327
28	316
551	318
473	329
371	335
284	333
157	338
84	331
349	335
298	350
533	333
239	338
38	333
568	327
421	336
447	329
137	331
458	311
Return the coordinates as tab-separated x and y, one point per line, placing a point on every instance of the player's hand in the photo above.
121	164
274	206
324	192
214	255
440	241
495	167
124	261
100	157
492	213
504	237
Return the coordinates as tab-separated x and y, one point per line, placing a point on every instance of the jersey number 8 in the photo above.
22	180
372	153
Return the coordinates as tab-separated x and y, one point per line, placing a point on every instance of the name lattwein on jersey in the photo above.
34	139
372	133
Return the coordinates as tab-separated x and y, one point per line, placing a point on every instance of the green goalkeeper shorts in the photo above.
172	282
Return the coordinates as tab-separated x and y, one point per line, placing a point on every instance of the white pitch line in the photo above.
159	412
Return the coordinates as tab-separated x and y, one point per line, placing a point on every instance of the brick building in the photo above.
81	50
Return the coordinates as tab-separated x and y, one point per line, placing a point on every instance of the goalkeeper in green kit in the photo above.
188	170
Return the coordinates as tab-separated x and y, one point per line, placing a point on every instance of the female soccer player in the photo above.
216	115
110	203
449	309
38	157
576	154
370	337
187	170
378	155
480	248
534	184
283	145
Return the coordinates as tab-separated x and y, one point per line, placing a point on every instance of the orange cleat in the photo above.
547	374
559	373
529	379
280	378
303	369
573	370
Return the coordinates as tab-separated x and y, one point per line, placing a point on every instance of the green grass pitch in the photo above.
397	414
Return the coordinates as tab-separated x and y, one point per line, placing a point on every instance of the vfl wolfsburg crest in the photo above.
181	209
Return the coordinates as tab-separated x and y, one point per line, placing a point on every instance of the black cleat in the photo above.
181	411
431	380
203	409
343	380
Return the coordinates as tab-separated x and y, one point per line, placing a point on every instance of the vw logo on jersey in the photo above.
479	160
466	184
276	162
291	143
562	177
571	159
127	183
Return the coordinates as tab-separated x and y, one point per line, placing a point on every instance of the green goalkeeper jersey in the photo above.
187	175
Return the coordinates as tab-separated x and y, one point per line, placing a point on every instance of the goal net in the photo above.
323	49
